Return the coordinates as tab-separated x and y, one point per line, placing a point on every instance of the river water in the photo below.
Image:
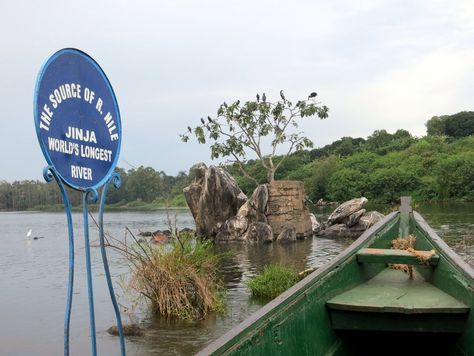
33	279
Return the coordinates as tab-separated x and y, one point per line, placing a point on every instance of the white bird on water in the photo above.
28	234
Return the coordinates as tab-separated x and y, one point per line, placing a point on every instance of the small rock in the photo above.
188	231
159	237
128	330
316	225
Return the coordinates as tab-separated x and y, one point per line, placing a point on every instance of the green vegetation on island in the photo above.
273	281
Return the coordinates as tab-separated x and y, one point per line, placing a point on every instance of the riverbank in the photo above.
119	207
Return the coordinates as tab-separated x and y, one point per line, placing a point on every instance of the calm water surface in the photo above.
34	281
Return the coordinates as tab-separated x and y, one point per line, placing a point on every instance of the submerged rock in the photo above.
128	330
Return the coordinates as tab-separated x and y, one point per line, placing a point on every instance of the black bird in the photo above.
202	120
258	98
225	104
209	119
264	97
238	102
189	129
312	95
282	96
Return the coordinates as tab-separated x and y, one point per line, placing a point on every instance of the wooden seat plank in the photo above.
378	255
392	291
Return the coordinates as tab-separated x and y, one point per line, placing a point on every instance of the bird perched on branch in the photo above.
282	95
312	95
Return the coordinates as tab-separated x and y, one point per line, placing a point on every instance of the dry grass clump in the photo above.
404	243
408	244
179	279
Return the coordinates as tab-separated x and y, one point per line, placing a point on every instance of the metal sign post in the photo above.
78	125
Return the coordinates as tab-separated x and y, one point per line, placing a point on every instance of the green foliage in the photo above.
316	185
386	185
274	280
455	176
457	125
238	128
382	142
343	147
346	182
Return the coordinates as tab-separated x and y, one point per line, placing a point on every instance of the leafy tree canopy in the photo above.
238	128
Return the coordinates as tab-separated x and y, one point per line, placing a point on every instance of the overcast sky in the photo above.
376	64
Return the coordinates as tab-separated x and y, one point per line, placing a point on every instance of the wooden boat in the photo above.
360	305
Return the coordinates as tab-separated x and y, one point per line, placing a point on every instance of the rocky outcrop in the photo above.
222	212
349	220
213	197
286	206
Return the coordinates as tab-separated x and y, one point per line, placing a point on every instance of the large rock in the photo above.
339	231
369	219
258	232
233	229
346	209
213	197
286	205
254	208
288	234
349	220
353	219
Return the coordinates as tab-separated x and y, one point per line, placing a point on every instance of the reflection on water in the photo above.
34	277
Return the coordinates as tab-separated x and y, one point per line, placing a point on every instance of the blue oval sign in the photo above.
77	119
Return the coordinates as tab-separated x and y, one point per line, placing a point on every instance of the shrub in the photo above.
274	280
179	279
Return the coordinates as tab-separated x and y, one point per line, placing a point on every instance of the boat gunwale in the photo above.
443	247
291	292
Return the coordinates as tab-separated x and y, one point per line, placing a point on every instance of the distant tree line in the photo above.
456	126
381	167
140	186
386	165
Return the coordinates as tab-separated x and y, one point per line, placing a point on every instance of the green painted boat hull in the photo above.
299	322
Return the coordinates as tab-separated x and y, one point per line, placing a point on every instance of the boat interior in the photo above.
407	303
